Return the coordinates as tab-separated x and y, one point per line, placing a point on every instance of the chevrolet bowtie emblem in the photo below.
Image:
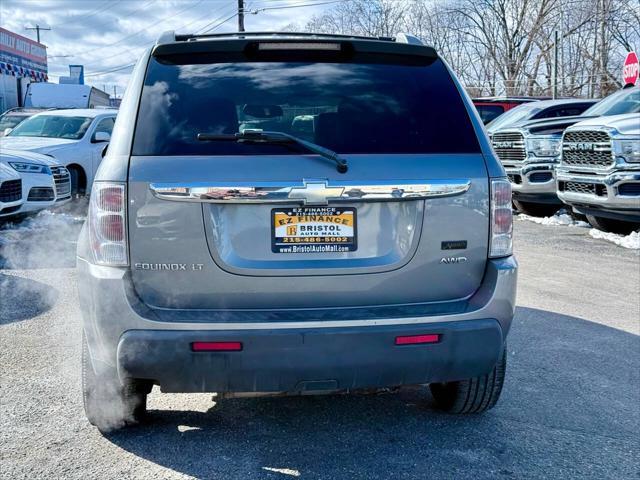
315	193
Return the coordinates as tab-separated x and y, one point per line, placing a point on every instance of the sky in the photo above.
108	35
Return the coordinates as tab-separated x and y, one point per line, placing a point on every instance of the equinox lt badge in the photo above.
169	266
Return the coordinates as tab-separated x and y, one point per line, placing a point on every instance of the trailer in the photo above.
55	95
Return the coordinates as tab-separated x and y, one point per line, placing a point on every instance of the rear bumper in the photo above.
295	361
291	354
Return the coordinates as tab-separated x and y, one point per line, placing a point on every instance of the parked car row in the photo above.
55	153
590	162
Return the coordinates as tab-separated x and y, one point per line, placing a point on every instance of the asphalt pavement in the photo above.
570	406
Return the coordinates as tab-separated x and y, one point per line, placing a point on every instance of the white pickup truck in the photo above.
74	138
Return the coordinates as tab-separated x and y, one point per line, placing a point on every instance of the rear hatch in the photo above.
235	224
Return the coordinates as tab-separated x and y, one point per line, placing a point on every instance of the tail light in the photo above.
108	224
501	244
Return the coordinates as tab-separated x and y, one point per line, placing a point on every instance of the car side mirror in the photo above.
7	131
100	137
104	151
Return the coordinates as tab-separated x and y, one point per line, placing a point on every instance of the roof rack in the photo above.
171	37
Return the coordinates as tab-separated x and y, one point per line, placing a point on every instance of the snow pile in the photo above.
560	218
631	241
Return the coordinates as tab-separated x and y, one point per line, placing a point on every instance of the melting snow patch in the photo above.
629	241
560	218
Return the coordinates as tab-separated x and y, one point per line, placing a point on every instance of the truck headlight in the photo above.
627	149
24	167
544	147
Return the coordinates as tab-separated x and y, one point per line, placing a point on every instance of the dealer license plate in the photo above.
313	230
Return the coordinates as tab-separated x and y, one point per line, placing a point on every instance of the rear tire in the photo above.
108	404
536	209
611	225
475	395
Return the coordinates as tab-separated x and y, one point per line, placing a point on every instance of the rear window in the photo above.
346	107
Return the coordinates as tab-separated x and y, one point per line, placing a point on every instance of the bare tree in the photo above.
507	46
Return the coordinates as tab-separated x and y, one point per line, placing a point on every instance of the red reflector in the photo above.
413	339
216	346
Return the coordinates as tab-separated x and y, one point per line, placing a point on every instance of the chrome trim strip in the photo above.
309	192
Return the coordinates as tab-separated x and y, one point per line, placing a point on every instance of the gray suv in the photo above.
295	214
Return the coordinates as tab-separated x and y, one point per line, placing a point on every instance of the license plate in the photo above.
313	230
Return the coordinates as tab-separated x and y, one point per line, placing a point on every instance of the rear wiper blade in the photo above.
258	135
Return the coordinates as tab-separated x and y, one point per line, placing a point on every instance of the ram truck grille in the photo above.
509	147
584	188
11	191
587	148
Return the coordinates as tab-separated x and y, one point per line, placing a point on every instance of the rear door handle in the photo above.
309	192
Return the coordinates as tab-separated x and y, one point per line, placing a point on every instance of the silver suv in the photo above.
295	214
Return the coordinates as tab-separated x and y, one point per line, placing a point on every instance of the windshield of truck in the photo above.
54	126
624	101
411	107
515	115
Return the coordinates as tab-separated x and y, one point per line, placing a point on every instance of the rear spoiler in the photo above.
169	43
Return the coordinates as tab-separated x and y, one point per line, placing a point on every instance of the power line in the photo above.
122	67
93	13
262	9
208	28
117	69
221	23
139	31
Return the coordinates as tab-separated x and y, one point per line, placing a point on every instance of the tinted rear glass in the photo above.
347	107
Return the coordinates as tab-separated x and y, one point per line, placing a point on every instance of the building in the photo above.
22	61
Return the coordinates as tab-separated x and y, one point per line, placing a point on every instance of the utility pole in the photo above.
114	92
37	28
555	64
241	15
